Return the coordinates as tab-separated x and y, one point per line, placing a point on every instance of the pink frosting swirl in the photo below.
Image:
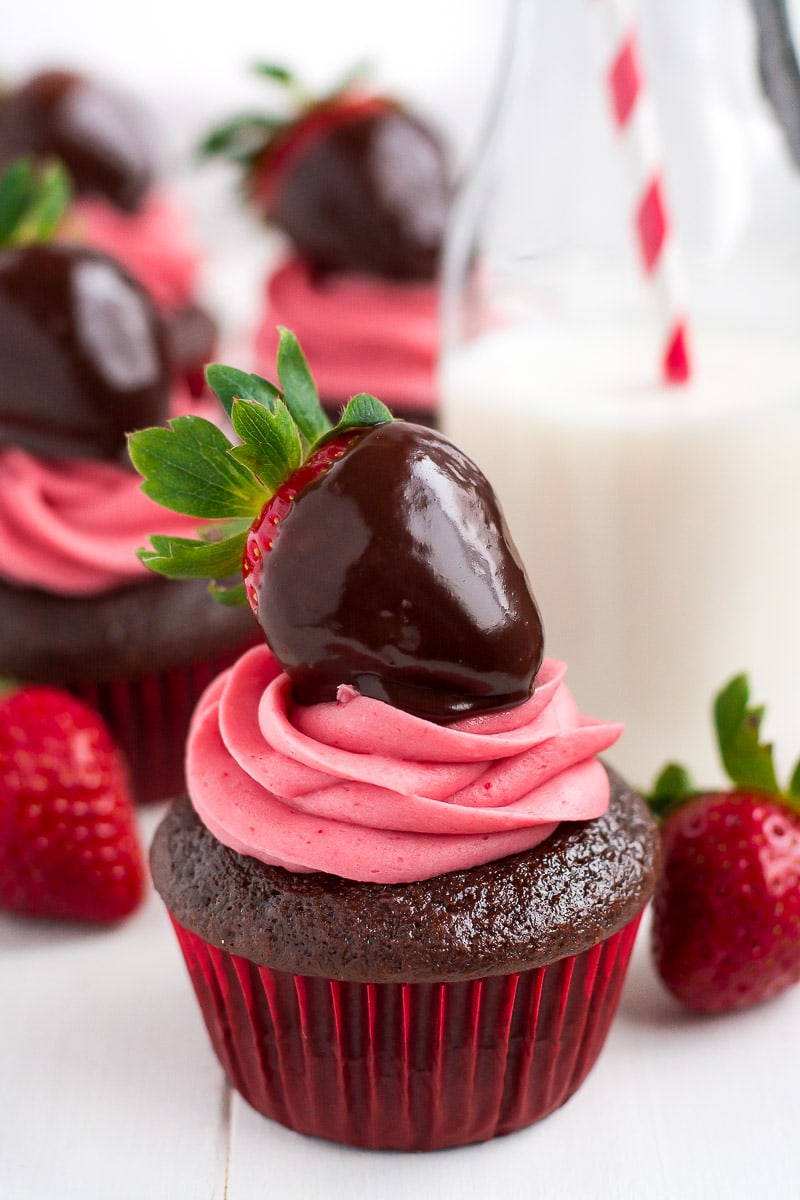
362	790
155	244
72	527
358	334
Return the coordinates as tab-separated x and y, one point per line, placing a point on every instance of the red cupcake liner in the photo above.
408	1066
149	716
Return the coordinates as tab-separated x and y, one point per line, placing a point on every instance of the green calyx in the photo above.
747	760
243	138
192	467
33	200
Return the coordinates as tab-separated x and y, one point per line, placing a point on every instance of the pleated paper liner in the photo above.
149	716
408	1066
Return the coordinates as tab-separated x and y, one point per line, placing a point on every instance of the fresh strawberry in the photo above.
374	554
355	180
83	353
94	132
726	912
69	847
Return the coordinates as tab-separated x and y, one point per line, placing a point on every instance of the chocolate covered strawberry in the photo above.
94	132
69	846
374	553
355	180
83	356
726	911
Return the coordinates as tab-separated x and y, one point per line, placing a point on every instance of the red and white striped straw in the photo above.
634	115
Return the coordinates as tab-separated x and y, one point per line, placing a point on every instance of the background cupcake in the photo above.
405	887
358	187
83	359
102	138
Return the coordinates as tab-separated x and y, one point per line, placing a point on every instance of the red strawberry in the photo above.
726	911
355	180
68	841
374	554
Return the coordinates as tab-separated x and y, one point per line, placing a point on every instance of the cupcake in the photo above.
357	186
405	886
83	360
120	207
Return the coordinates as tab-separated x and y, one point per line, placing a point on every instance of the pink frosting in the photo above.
73	526
155	244
362	790
358	334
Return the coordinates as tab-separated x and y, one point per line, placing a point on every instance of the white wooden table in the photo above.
109	1091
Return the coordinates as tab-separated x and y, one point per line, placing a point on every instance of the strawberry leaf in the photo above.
232	596
364	409
242	138
187	468
229	384
274	71
299	389
747	760
186	558
33	198
672	787
271	446
794	783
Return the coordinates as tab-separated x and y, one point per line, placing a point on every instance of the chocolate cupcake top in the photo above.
580	886
148	626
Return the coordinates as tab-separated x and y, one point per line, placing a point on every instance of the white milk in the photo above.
660	527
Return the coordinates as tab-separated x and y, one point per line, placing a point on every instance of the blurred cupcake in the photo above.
405	886
121	207
83	359
358	186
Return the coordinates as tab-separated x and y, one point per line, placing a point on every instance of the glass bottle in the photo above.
658	517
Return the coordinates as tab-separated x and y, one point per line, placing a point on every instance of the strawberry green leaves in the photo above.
299	389
747	760
672	786
33	199
193	468
363	409
187	468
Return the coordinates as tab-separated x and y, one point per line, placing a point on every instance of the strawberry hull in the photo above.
408	1066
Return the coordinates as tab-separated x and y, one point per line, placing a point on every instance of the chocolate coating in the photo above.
394	572
83	356
95	133
370	195
577	888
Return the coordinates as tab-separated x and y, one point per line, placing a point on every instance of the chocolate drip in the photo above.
92	131
370	195
83	357
395	573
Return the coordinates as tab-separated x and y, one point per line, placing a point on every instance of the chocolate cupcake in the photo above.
83	359
405	885
357	185
121	206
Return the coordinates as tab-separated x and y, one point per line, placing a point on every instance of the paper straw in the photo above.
634	115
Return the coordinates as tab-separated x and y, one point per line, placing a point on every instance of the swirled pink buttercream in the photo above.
155	244
358	334
72	527
362	790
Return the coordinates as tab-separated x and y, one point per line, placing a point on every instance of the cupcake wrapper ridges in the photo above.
408	1066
